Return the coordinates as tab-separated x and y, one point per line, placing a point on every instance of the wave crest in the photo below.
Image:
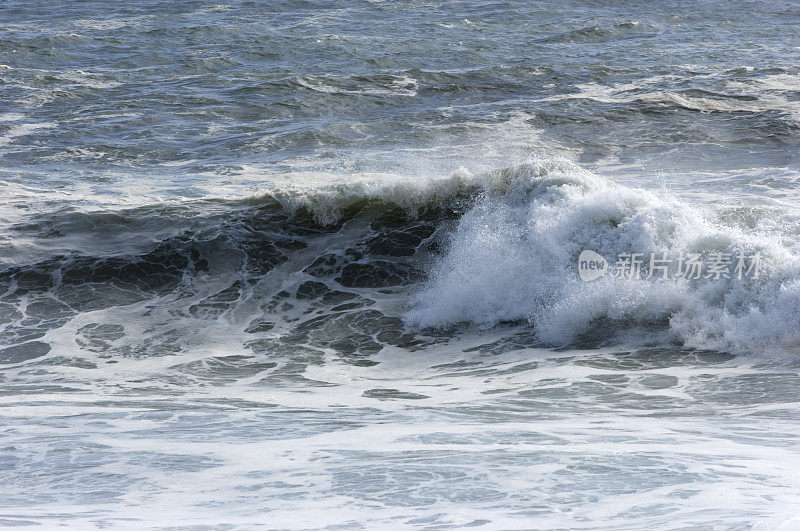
329	200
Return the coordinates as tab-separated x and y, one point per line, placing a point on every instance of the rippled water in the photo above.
313	264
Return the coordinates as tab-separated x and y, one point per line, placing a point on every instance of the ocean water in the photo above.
314	264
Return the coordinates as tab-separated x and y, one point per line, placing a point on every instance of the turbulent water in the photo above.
314	264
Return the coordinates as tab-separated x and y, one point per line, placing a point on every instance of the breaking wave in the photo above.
458	251
513	257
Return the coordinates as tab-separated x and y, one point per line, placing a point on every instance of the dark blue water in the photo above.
297	264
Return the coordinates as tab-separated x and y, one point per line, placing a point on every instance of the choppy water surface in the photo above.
309	264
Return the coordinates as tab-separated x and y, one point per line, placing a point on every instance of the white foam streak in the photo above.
22	130
765	93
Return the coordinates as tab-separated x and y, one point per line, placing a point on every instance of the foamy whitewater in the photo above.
316	265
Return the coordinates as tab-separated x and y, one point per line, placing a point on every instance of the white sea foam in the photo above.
512	258
11	116
22	130
110	24
765	93
89	79
781	82
398	86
